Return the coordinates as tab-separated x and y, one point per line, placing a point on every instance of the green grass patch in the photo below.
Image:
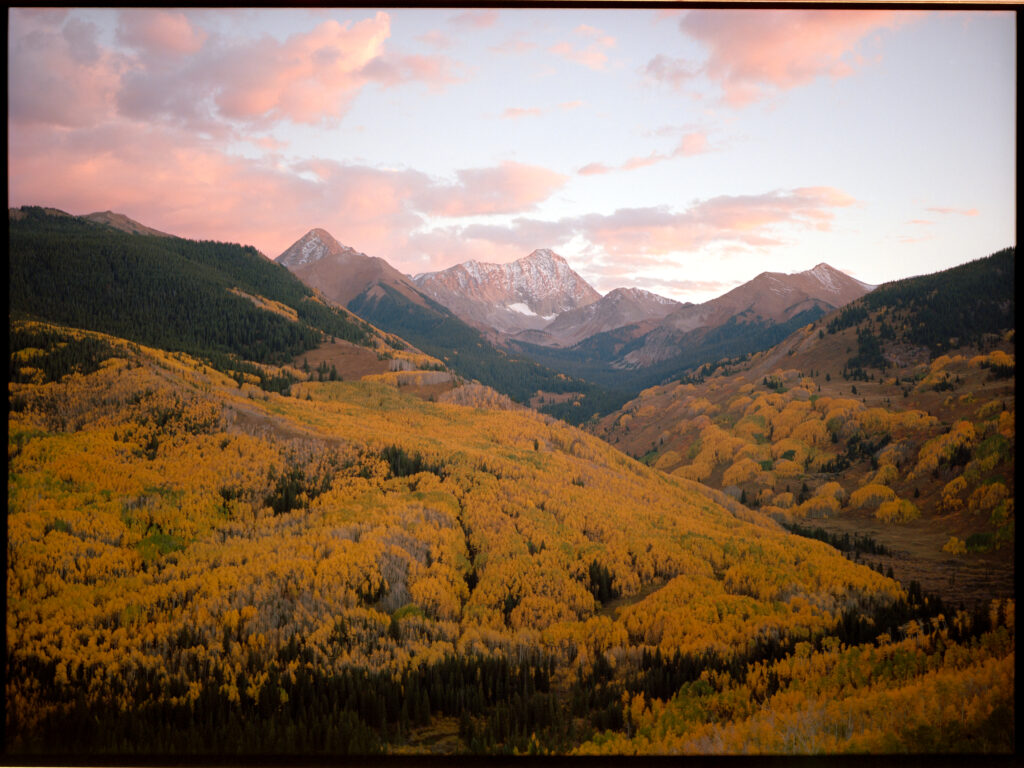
158	544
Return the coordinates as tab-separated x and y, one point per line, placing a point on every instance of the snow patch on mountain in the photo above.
823	274
312	250
522	309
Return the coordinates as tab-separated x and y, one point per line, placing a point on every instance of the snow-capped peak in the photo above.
542	282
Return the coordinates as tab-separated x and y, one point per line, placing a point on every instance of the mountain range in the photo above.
538	307
531	329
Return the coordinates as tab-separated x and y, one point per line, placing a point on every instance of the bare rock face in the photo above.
620	307
339	272
525	294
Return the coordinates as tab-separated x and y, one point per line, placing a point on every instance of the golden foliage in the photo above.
897	511
155	500
870	496
942	447
955	546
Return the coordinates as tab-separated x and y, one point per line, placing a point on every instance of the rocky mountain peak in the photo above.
314	246
524	293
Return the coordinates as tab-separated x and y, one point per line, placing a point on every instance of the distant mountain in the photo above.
104	218
747	319
620	307
381	295
340	272
771	298
525	294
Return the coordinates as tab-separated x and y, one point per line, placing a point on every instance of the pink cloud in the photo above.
645	235
753	220
567	105
599	37
168	179
593	54
693	143
159	31
507	188
305	79
668	13
514	112
642	162
435	38
956	211
752	52
521	232
513	45
435	71
57	72
309	77
174	72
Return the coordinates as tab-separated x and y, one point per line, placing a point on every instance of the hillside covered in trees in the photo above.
197	565
223	302
435	330
880	420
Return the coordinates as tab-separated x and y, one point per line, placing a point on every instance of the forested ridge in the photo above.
203	298
951	308
202	567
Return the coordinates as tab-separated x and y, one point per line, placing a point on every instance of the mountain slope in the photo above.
379	294
384	570
524	294
771	298
750	318
618	308
123	223
867	421
225	302
341	272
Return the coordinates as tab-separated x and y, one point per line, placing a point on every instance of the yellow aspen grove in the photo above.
195	566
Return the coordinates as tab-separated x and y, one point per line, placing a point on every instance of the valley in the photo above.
804	433
203	571
291	531
526	382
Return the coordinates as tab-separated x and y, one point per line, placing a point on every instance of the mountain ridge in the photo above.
340	271
520	295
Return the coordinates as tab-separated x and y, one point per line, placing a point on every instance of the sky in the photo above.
681	151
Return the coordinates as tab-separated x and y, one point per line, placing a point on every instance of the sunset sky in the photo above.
679	151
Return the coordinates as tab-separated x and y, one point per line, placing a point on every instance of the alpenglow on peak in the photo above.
312	247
